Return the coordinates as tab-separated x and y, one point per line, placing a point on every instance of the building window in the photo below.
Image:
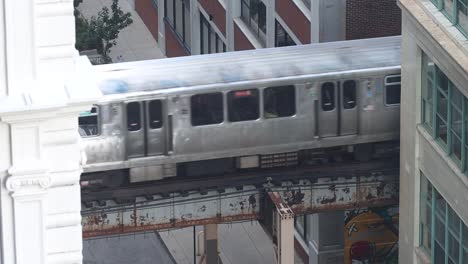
243	105
282	37
444	112
279	101
133	116
427	82
207	109
177	13
210	41
449	242
88	123
253	13
456	12
392	90
462	16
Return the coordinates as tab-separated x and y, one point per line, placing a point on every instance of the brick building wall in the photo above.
241	42
371	19
148	12
173	46
295	19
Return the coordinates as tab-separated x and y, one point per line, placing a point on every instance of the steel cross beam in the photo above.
238	204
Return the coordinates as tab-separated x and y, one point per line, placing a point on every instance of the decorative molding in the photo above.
19	183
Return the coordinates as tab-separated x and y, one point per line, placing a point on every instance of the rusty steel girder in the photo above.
213	207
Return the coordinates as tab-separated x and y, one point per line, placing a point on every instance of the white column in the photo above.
161	27
47	85
270	23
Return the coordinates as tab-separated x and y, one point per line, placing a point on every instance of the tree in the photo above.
107	26
100	32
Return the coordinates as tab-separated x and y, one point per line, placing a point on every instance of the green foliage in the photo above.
108	25
100	32
86	38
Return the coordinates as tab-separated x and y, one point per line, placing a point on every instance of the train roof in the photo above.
242	66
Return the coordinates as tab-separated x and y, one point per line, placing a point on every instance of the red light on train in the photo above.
243	93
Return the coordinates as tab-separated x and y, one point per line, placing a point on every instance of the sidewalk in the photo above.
238	243
135	42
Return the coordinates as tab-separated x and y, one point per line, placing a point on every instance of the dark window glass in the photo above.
177	13
328	96
207	109
155	114
392	90
279	101
282	38
253	13
349	94
88	123
210	41
133	116
243	105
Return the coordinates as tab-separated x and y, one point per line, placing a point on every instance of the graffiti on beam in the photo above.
371	236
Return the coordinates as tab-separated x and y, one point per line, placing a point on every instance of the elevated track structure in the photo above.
177	203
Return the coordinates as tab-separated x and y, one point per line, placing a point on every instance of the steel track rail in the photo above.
275	177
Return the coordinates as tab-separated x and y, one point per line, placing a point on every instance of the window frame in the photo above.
333	96
254	24
292	87
355	94
186	43
444	219
223	120
98	121
387	84
140	116
448	91
452	15
259	105
149	102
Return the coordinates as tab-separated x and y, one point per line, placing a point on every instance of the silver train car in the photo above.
241	110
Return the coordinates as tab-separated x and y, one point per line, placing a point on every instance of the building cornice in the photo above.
457	50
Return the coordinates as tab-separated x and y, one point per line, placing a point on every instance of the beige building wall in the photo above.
427	31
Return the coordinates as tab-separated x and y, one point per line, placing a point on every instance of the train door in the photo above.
348	107
155	111
135	129
328	110
146	128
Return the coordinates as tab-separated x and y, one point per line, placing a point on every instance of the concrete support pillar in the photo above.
211	244
279	222
326	234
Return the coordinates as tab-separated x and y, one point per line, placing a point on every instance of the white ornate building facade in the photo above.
40	158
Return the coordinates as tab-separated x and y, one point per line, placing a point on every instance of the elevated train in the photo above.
241	110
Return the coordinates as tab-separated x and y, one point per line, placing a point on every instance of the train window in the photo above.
207	109
133	116
279	101
392	90
88	123
243	105
349	94
328	96
155	114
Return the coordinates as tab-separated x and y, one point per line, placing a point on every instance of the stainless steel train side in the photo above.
238	107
